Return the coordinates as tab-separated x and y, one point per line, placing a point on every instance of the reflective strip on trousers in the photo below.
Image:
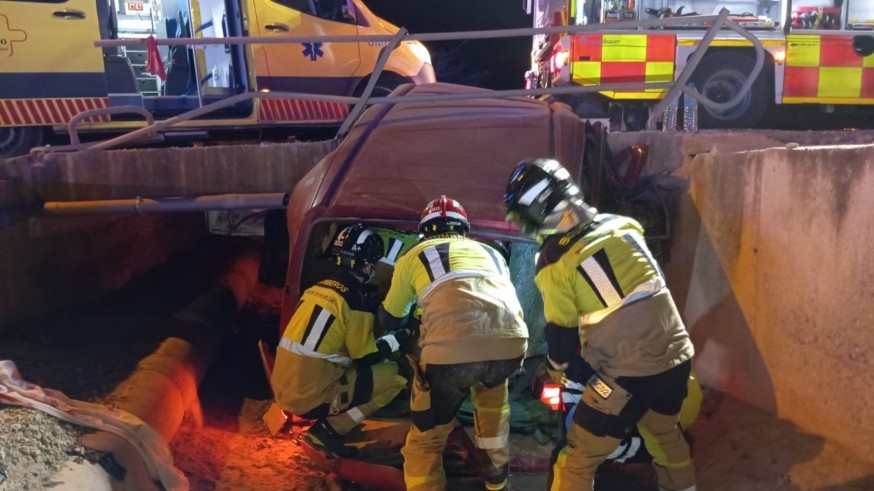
356	414
495	442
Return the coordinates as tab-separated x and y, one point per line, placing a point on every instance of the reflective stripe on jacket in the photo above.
604	281
470	311
330	328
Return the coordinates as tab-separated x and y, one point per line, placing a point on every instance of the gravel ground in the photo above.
34	447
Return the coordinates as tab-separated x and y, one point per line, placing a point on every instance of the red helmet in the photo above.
443	215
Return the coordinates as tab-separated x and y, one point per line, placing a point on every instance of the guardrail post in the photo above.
368	89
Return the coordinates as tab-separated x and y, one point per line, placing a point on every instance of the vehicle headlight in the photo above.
419	51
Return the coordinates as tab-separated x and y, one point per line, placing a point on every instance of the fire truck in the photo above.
50	69
819	52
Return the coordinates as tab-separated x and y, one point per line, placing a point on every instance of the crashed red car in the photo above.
398	157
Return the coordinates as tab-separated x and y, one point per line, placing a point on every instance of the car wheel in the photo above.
719	77
386	83
18	140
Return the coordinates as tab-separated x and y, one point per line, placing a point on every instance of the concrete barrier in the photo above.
771	270
162	172
49	264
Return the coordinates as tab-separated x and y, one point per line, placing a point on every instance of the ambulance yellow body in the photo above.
818	52
50	69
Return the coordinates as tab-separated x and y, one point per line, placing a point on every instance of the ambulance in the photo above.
50	69
819	52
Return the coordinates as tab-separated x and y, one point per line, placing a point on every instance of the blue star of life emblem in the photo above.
313	50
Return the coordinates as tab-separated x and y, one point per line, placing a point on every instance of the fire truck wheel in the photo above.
386	83
18	140
719	77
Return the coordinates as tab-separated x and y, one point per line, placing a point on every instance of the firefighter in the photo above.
630	449
472	339
328	366
604	294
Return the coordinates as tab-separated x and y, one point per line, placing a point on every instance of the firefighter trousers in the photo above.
608	409
437	394
361	392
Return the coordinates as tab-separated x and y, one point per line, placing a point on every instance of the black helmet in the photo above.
538	193
357	246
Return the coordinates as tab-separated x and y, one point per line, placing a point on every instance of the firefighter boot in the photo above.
323	438
670	451
498	482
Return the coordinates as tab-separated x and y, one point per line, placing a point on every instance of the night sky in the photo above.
491	63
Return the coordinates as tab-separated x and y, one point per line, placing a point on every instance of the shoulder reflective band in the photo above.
315	332
822	68
641	291
598	273
634	240
500	265
624	58
392	252
435	259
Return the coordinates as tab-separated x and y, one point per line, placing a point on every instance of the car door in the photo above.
314	66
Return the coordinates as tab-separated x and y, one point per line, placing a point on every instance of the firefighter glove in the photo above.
396	339
556	371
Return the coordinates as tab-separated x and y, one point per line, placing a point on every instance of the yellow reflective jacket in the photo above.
331	327
470	311
604	281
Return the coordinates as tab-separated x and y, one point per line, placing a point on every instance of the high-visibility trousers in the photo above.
361	393
437	393
607	409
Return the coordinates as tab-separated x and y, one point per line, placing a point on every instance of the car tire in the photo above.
719	77
18	140
386	83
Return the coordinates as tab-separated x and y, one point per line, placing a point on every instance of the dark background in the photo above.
491	63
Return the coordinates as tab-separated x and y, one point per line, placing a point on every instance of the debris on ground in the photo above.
34	447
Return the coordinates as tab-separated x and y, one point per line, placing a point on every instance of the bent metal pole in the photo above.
141	205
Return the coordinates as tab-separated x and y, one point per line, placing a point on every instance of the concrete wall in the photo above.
162	172
771	268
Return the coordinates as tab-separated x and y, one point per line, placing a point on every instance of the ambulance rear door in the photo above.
49	66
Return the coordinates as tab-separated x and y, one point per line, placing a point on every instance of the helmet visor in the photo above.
526	224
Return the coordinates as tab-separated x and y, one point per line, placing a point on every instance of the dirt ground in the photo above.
223	444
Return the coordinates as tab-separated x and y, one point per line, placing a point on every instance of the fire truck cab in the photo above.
818	52
50	69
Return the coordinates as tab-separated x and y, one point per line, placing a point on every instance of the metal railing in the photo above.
674	88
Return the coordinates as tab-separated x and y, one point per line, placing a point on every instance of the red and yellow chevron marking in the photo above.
624	58
276	110
40	112
824	69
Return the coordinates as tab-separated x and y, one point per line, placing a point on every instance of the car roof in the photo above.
397	158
